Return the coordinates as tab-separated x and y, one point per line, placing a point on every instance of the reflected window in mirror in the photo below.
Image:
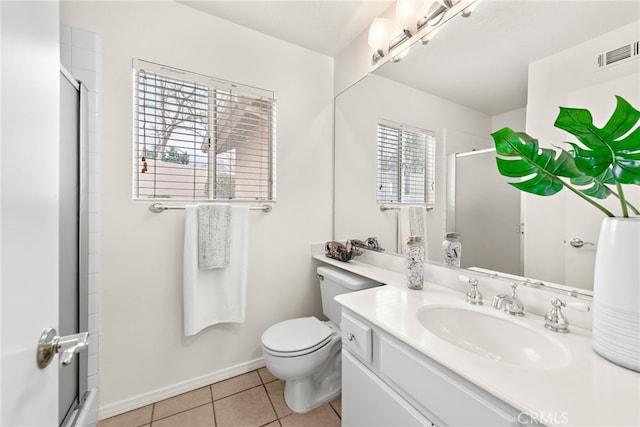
406	164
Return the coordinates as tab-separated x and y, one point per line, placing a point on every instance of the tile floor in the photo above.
249	400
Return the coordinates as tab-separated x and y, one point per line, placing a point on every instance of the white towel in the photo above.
412	221
214	235
217	295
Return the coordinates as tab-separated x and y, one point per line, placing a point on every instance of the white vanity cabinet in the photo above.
387	383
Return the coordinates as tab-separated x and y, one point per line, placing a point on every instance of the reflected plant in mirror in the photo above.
607	156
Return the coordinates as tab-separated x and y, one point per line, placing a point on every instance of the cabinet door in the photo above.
369	402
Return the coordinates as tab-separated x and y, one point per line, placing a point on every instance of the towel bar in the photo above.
395	208
159	207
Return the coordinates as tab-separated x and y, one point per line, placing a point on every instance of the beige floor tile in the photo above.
337	405
276	394
250	408
201	416
266	376
135	418
234	385
181	403
323	416
273	424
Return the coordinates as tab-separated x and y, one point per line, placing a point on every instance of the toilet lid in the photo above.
295	335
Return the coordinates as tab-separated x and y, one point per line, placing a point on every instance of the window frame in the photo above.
383	144
214	86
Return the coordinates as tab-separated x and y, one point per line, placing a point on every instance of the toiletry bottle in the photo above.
452	249
415	262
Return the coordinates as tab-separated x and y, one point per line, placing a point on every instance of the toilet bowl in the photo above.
305	352
311	374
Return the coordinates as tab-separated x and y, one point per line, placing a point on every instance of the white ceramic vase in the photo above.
616	292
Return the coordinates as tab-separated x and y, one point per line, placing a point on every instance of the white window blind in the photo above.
201	138
406	164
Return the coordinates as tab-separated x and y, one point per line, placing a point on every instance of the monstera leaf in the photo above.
612	146
541	165
608	156
595	186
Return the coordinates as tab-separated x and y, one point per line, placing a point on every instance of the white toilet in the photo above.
305	352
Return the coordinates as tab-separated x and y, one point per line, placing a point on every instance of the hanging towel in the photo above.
412	221
214	235
216	295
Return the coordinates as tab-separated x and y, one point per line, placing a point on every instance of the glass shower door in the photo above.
73	236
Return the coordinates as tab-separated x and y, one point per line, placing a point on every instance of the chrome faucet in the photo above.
510	304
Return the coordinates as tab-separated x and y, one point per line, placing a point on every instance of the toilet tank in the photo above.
335	281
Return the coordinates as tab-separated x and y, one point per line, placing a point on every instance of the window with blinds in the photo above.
201	138
406	164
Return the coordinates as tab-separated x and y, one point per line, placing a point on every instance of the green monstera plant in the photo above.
595	169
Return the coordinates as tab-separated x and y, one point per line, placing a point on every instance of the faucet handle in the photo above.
578	306
514	286
474	296
554	319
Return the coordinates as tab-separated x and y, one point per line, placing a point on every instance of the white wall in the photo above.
515	119
358	110
568	79
143	354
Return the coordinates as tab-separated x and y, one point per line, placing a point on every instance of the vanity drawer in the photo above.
440	394
356	336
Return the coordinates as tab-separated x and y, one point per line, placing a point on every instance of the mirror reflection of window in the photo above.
406	164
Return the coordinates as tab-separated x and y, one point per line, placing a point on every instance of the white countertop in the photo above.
587	391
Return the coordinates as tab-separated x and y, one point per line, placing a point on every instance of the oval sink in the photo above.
493	337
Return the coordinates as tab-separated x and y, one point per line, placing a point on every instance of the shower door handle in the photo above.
51	343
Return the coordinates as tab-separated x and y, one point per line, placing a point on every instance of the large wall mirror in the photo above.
511	63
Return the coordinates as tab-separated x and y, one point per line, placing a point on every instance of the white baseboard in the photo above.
141	400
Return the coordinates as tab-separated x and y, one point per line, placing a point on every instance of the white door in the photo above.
28	208
583	221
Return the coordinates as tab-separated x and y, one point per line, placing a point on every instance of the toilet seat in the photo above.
296	337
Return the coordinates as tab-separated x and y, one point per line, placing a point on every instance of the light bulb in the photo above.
407	13
426	39
380	33
401	55
466	12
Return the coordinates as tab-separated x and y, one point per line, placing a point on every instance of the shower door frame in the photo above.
70	417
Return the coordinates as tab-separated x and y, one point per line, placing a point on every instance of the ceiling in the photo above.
325	26
480	61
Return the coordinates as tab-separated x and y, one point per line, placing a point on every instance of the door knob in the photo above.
578	243
51	343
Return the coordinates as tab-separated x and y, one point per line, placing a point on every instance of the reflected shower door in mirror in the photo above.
485	212
479	74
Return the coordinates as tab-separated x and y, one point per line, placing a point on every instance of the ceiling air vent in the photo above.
619	55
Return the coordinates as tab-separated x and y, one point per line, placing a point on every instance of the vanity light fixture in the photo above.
418	20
